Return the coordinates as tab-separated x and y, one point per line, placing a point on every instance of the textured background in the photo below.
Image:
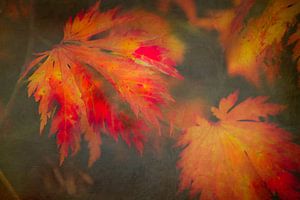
29	160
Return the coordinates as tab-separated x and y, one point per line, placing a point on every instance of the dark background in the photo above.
30	161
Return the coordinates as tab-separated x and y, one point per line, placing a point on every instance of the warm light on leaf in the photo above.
255	50
125	53
242	156
253	47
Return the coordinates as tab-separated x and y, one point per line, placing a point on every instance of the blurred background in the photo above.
29	161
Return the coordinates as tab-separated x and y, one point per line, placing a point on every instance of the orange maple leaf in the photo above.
242	156
253	48
101	51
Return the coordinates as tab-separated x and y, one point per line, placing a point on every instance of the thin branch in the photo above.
7	184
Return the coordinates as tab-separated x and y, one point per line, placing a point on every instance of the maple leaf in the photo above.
100	50
253	47
256	49
242	156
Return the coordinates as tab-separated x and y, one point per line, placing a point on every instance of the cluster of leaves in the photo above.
105	60
243	156
106	76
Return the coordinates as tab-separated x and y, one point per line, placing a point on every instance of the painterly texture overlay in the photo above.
124	90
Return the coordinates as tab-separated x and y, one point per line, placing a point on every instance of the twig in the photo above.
7	184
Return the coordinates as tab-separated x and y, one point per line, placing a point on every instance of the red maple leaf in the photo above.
104	62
